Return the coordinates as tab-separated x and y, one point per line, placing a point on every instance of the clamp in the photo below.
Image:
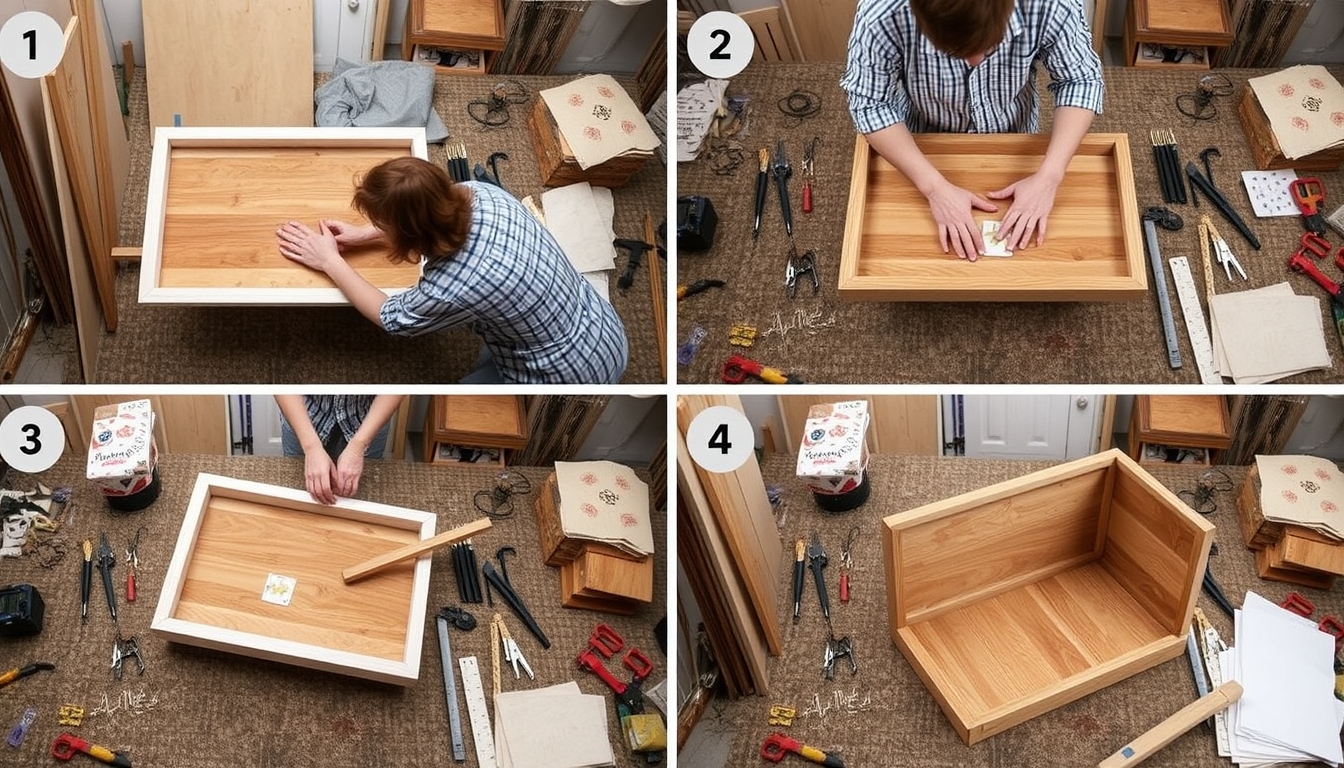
123	650
799	266
836	649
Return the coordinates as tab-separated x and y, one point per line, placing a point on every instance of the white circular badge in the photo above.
31	44
720	44
31	439
720	439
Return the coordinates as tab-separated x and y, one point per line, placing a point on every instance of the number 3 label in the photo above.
31	439
720	44
720	439
31	44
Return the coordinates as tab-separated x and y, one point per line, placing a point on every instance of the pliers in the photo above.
782	170
512	653
817	560
799	266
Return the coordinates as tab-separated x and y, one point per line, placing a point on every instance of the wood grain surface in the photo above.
1093	249
459	23
1196	421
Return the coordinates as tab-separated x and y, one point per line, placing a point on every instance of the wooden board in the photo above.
1182	23
1093	252
820	27
770	32
1090	567
572	595
1266	569
602	575
79	266
496	421
1305	549
456	24
228	62
1187	421
897	423
68	90
217	195
1256	531
236	533
557	163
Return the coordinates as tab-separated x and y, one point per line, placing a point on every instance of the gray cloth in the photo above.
380	94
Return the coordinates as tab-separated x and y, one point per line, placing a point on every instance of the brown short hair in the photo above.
417	206
962	28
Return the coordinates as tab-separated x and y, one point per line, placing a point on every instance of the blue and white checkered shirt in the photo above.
894	74
327	413
512	285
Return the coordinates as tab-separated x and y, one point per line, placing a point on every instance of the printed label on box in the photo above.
833	454
121	447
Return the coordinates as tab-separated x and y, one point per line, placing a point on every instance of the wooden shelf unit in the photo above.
1178	24
1179	421
466	25
496	422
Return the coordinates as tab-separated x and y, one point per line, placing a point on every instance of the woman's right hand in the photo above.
352	235
951	207
318	469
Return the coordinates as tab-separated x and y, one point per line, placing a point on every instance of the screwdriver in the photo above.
799	567
86	583
21	672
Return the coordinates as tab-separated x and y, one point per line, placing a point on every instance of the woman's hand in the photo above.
352	235
951	207
318	471
349	467
1033	199
315	250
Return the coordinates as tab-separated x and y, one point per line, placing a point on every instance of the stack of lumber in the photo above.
594	575
1285	552
730	552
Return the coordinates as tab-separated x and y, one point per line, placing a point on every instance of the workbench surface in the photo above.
885	716
198	708
823	339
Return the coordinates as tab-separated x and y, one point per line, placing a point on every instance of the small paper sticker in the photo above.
994	246
279	589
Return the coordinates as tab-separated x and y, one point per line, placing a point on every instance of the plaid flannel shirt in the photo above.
512	285
329	412
894	74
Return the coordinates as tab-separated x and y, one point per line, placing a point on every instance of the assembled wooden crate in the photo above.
237	533
218	195
1093	249
1018	598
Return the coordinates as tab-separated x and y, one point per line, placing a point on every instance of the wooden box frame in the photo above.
1093	249
329	625
1016	599
308	286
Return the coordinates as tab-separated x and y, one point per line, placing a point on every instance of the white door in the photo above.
344	29
1032	426
259	417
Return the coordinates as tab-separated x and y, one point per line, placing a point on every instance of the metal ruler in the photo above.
481	734
1211	645
1194	320
1163	299
450	690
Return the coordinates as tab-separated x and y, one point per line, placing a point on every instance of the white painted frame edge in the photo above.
405	672
165	138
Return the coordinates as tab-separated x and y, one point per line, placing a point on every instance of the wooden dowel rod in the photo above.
1165	732
658	296
373	565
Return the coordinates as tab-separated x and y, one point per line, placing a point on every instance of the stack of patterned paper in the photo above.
1302	490
599	121
1267	334
604	501
555	727
1305	107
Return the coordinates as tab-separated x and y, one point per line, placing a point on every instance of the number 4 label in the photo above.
720	439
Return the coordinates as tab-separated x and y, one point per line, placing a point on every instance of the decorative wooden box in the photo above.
1018	598
218	195
1093	249
237	533
556	161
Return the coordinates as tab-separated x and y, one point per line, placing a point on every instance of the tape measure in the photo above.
1194	320
1163	298
481	734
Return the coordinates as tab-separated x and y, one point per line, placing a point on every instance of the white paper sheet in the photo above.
1268	192
581	222
1252	329
696	104
554	727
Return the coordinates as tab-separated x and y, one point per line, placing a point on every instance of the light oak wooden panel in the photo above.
821	27
1094	251
1184	23
1064	606
112	152
457	23
236	533
616	577
182	423
770	32
897	423
1269	565
484	420
228	62
1306	549
1188	421
217	196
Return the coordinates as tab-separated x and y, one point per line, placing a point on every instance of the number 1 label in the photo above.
31	44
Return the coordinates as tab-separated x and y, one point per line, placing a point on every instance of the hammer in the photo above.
637	249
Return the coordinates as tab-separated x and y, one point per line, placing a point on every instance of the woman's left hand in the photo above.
302	244
1033	199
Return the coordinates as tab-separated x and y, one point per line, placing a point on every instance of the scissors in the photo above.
66	745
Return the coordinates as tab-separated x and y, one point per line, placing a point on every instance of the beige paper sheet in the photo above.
1303	490
604	501
598	119
580	218
1252	328
1305	107
554	727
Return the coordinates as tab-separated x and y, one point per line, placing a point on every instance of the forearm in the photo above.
295	411
897	146
361	293
1070	126
379	413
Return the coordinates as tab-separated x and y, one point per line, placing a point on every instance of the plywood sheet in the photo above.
216	197
820	27
237	534
1093	252
229	62
112	158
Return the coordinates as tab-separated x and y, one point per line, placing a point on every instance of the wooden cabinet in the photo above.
497	422
472	28
1198	25
1196	422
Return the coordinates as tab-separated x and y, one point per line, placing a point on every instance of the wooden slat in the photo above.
743	513
266	48
657	295
821	27
366	568
68	90
772	40
897	423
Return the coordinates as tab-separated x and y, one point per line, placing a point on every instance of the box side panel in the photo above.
998	545
1155	546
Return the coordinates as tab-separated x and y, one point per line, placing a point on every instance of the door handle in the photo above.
1082	403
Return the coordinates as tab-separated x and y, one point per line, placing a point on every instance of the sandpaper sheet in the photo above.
1251	327
580	218
554	727
604	501
598	119
1305	107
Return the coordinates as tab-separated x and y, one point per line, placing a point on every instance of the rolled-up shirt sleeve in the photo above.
418	311
873	79
1075	70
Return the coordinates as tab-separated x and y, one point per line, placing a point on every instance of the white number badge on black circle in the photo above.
31	44
720	439
31	439
720	44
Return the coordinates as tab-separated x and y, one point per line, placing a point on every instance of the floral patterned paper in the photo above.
1302	490
598	119
604	501
1305	107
